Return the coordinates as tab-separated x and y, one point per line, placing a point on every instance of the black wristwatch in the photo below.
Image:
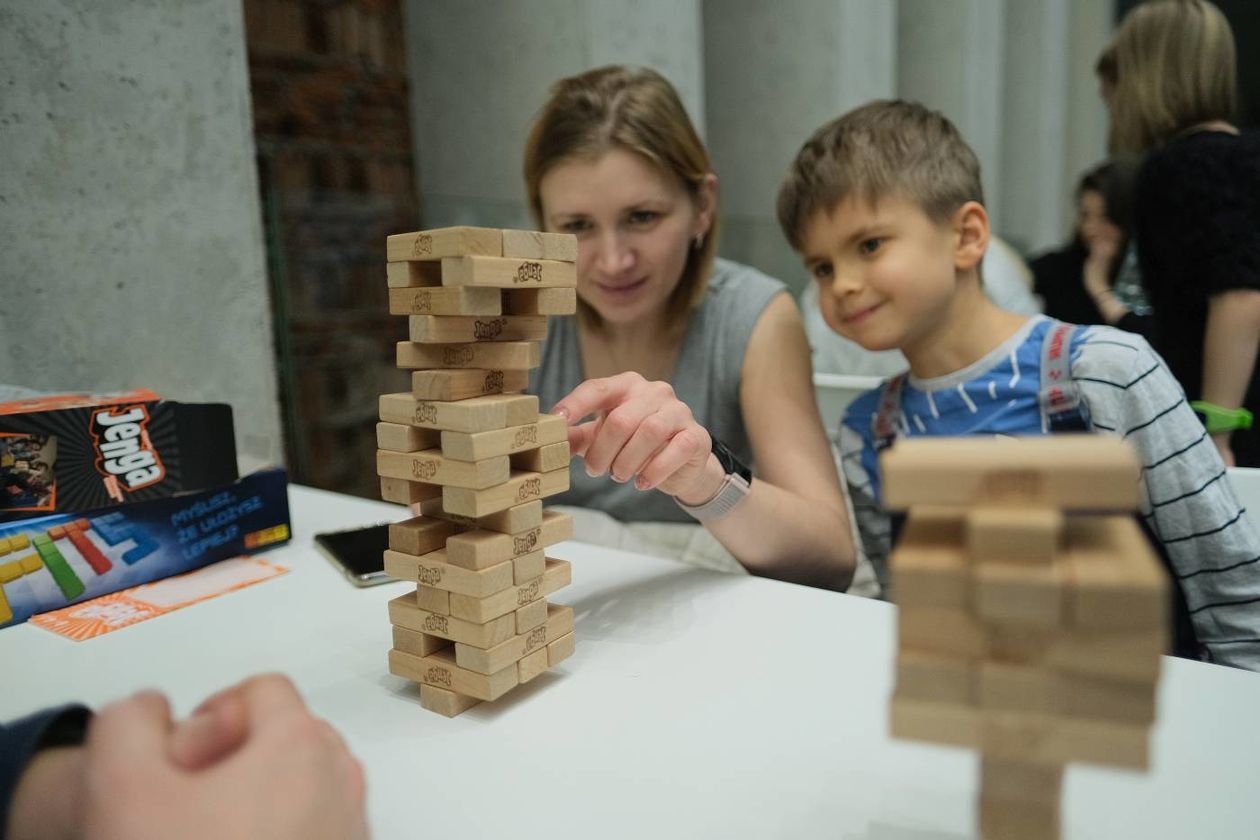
733	490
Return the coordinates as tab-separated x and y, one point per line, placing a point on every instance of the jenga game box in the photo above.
50	562
79	452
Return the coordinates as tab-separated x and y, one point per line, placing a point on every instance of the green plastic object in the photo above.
1220	419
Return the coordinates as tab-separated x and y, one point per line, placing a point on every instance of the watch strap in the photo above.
733	491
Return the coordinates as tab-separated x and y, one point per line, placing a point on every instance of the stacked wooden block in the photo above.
1030	624
473	453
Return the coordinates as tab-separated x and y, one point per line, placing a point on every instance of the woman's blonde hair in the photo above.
639	111
1170	66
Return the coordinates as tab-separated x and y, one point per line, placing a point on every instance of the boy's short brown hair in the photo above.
883	148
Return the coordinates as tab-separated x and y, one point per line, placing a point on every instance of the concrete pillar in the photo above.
774	72
480	71
130	219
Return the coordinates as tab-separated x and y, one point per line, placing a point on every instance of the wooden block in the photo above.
447	329
403	492
559	622
1014	535
553	456
937	723
399	438
465	383
433	600
413	275
403	612
479	414
462	446
481	610
514	520
1068	472
421	534
480	548
561	649
940	631
1020	688
1103	698
1012	780
1115	579
507	273
439	669
432	570
445	703
929	567
1019	592
431	468
491	355
1003	820
1052	739
1119	654
418	644
527	567
531	615
943	679
460	300
531	665
539	302
444	242
10	571
536	245
521	487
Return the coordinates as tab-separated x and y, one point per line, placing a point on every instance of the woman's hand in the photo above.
641	432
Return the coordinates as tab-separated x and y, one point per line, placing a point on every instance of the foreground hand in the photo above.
641	432
285	774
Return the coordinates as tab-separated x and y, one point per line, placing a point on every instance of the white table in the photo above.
697	705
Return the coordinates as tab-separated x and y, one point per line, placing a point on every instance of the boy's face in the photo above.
886	274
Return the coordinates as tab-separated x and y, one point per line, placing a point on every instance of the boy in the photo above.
885	207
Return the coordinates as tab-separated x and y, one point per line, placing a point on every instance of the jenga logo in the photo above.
536	637
436	624
423	469
483	330
531	489
527	593
425	413
423	246
422	302
430	575
494	382
529	272
525	436
438	676
457	356
1012	485
525	544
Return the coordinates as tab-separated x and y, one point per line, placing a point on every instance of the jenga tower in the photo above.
473	451
1027	629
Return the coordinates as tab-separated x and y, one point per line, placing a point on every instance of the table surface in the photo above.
697	705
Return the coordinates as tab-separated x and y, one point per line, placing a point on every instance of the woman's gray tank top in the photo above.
706	378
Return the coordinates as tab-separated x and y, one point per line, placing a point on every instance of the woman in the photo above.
692	366
1169	81
1094	279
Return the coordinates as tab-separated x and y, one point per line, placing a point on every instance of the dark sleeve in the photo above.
21	739
1143	325
1207	203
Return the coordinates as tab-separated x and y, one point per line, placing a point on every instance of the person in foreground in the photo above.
696	370
884	205
250	763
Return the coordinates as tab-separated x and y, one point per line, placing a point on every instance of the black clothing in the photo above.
1058	279
21	739
1197	224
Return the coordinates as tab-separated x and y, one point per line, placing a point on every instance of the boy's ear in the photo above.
971	230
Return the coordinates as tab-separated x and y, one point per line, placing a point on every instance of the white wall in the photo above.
131	250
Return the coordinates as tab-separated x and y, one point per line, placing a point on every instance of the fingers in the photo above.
131	732
651	437
618	427
597	395
690	446
270	696
582	436
216	729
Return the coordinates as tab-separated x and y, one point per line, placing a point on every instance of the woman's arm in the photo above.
1230	342
792	525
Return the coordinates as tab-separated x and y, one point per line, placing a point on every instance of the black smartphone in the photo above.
358	552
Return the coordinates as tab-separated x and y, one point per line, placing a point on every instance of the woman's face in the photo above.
1092	223
635	227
